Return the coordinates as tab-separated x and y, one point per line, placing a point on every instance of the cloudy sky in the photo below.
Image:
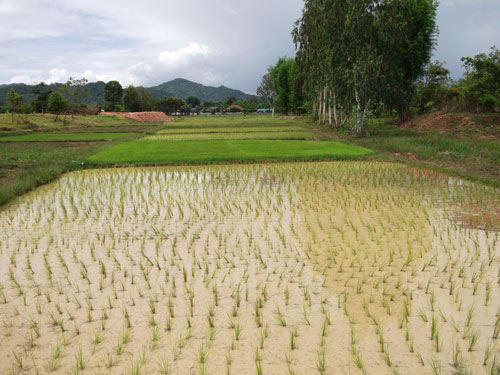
216	42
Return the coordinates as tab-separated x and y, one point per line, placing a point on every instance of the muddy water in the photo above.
334	268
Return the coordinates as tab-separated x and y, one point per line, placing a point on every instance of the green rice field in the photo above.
205	151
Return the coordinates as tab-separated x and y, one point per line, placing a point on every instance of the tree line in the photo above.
69	99
364	58
477	91
357	56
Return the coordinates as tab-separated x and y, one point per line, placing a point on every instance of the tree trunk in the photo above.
404	115
319	106
324	105
330	123
335	109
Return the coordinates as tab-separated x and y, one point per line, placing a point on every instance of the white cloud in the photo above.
183	56
23	78
57	75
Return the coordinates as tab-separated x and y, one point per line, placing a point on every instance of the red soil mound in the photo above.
141	116
455	121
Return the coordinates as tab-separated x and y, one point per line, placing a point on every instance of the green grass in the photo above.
231	121
233	135
24	166
471	152
161	152
58	137
429	147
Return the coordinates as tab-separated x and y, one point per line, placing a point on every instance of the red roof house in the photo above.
234	106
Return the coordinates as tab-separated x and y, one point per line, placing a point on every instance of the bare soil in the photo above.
141	116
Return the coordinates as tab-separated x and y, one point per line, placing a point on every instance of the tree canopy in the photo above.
193	101
354	55
57	103
281	87
482	78
113	94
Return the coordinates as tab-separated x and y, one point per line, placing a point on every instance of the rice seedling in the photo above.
245	239
237	331
473	338
79	361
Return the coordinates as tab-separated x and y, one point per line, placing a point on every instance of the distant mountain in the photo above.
179	87
182	88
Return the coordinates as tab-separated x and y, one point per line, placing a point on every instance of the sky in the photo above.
216	42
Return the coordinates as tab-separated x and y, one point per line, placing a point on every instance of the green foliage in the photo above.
478	91
193	101
482	79
171	105
266	89
282	73
74	90
94	92
353	55
113	94
131	99
41	101
432	87
14	102
281	88
57	103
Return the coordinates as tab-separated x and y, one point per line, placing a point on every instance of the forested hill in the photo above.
178	87
182	88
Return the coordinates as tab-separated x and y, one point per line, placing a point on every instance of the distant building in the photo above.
263	110
234	108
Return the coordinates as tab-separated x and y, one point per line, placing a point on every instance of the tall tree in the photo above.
355	54
193	101
278	86
482	79
148	102
113	94
57	103
74	90
170	105
131	99
266	89
282	79
14	103
42	92
432	85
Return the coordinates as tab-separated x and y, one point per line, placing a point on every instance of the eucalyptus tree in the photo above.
266	90
356	54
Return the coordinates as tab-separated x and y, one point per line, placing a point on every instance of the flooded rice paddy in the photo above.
300	268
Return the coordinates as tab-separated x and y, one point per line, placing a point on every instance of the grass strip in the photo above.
239	129
58	137
235	135
149	152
